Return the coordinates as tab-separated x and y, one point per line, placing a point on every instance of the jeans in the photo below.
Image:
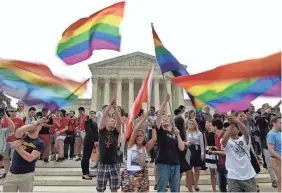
269	165
69	145
168	174
222	178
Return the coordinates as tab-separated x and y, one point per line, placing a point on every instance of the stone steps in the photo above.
78	171
71	180
66	177
265	187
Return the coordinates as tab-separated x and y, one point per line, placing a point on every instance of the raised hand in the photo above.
17	144
114	102
232	119
175	131
167	97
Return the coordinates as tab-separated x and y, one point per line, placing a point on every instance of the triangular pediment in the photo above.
135	59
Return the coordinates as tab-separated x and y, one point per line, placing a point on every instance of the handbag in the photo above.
188	156
95	155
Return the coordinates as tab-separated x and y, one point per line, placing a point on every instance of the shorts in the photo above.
60	137
80	134
52	139
8	153
107	172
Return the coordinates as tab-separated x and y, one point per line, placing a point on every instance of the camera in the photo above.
2	112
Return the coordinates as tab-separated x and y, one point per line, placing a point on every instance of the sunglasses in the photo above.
12	111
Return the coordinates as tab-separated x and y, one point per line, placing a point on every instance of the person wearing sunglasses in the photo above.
8	153
20	110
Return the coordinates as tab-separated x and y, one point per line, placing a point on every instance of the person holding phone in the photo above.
7	127
241	174
28	149
8	153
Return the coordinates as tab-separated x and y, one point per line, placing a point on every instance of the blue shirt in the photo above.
19	164
274	138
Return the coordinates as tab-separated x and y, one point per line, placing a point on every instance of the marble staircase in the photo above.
66	177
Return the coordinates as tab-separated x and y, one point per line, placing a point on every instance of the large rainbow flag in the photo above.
234	86
170	66
35	84
96	32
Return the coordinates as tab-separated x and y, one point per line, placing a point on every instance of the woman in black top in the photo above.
184	166
91	138
211	159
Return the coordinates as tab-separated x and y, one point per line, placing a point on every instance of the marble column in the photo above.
107	91
168	88
181	96
94	98
157	93
119	92
131	93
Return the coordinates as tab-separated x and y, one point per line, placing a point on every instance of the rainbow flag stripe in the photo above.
35	84
96	32
170	66
227	91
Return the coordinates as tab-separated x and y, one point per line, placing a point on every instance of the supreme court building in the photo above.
128	72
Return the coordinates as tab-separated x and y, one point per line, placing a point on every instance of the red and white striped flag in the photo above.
144	96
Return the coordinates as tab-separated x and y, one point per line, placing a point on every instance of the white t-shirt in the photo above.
238	159
133	158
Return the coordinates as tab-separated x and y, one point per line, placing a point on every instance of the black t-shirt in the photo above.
19	164
108	142
168	151
46	130
91	129
210	138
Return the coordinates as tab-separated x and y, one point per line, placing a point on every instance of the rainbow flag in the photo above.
234	86
96	32
170	66
35	84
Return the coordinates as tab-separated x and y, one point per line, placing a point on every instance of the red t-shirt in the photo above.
52	129
72	124
221	158
18	123
62	125
81	122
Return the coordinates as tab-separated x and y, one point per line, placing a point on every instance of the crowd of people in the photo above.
232	146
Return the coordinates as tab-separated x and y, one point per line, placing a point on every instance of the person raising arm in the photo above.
30	130
105	119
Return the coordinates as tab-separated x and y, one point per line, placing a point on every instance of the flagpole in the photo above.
170	108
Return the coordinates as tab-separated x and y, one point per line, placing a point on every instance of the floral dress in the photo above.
135	181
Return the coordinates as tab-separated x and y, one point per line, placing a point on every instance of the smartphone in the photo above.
229	113
2	112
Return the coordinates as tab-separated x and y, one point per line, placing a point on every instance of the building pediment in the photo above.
132	60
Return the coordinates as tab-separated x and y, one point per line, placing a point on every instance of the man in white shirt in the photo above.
241	174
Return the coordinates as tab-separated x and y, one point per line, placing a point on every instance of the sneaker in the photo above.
156	187
3	176
78	159
152	161
275	184
46	160
60	159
